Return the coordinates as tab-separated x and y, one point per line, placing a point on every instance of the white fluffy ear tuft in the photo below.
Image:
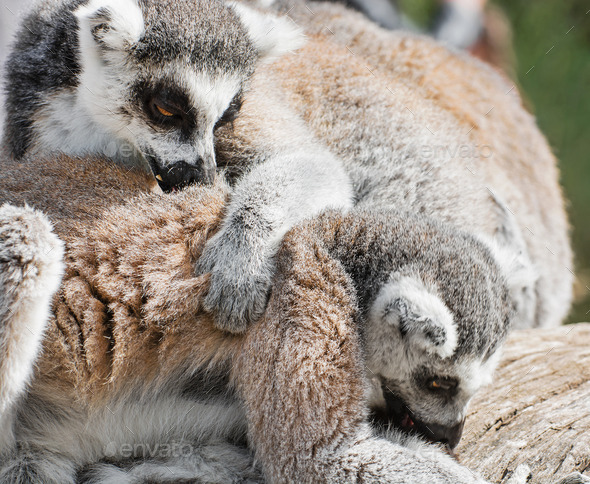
272	36
422	318
112	24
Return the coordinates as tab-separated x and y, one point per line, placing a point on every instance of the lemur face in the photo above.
423	363
174	119
162	77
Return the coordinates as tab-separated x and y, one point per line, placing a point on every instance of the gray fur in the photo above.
264	205
56	103
58	441
458	270
419	165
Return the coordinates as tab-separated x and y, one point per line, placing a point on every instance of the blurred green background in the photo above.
557	91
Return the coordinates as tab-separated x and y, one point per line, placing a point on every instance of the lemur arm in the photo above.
288	187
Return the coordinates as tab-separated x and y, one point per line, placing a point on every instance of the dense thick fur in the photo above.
132	298
444	135
135	383
409	124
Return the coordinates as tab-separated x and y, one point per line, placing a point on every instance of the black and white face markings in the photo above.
431	348
193	68
169	109
179	121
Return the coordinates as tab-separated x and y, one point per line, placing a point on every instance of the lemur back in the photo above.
431	131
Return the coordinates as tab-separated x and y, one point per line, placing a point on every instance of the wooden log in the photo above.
537	410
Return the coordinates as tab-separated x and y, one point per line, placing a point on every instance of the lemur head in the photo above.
146	79
433	337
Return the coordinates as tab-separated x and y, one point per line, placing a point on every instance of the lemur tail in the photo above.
30	273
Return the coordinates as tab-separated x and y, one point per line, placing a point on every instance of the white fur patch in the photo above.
123	20
139	425
424	304
107	29
272	36
476	373
211	94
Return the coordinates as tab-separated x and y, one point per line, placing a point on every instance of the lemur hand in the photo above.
241	273
266	203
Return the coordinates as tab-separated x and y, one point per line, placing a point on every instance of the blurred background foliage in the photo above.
551	40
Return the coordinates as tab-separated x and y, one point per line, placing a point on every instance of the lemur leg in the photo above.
301	375
30	273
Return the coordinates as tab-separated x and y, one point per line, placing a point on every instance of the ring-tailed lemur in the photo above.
393	312
380	114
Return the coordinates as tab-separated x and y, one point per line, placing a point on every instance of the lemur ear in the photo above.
112	24
423	319
273	36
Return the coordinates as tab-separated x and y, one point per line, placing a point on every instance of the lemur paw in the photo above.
239	284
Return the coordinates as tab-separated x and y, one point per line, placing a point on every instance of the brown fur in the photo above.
128	321
368	75
126	249
128	318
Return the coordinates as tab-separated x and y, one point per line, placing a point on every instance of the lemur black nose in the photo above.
447	435
181	174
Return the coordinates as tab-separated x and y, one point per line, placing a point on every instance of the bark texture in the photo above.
537	411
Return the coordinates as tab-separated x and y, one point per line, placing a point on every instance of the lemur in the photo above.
359	116
376	321
284	184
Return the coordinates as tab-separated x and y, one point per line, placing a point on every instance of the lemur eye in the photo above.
442	384
163	112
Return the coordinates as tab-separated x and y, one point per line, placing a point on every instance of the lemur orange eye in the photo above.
163	112
442	384
167	111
